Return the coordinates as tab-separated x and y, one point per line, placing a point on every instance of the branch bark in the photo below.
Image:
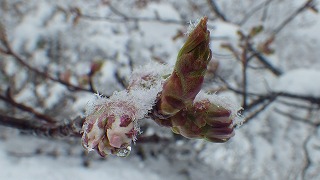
71	129
8	98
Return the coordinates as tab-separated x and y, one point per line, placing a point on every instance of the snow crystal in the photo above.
152	69
94	101
145	85
192	26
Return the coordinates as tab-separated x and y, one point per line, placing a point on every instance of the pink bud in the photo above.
110	128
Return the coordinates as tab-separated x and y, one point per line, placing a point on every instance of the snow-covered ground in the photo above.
282	142
22	163
42	159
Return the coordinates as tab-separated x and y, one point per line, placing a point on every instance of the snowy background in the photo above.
64	38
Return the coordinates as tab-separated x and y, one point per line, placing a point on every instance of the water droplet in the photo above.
124	152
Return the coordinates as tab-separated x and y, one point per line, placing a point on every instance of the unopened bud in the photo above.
186	79
204	120
110	129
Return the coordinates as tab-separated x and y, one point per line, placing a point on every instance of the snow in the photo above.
25	95
224	102
41	59
10	68
30	31
145	84
55	95
39	167
270	146
299	81
219	101
163	11
225	30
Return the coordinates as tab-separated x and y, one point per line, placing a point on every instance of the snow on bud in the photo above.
174	101
210	117
110	128
111	124
220	116
186	79
204	120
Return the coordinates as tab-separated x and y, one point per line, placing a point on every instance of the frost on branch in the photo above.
171	98
111	124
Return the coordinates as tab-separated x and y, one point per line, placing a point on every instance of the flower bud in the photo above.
110	129
185	81
204	120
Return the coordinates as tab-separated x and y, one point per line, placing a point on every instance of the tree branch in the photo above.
276	71
216	10
71	129
308	161
307	5
271	95
257	112
254	10
125	18
298	119
10	52
256	53
8	98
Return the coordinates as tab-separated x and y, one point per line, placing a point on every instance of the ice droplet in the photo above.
124	152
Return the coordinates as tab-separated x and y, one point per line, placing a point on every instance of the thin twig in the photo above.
253	11
259	100
22	61
255	52
8	98
126	18
296	118
10	52
216	10
308	4
276	71
271	95
244	73
299	106
311	99
308	161
72	129
259	110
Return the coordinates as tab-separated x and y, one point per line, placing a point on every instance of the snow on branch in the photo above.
171	100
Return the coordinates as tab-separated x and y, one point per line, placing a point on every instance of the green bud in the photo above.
185	81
